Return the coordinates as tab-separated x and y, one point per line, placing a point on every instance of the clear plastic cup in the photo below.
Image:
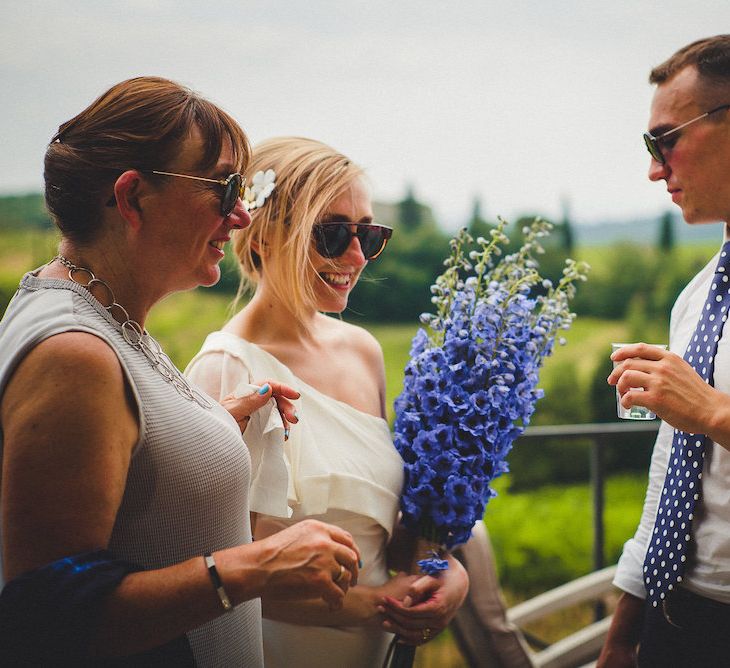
634	412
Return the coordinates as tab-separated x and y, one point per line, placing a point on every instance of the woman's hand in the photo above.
241	408
428	606
310	559
370	610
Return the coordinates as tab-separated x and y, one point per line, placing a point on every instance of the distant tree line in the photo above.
21	212
396	286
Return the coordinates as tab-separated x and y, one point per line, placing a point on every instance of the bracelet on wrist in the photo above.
217	582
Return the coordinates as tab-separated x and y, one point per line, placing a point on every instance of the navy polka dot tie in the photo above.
667	552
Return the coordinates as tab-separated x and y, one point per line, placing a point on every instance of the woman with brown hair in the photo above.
304	253
124	522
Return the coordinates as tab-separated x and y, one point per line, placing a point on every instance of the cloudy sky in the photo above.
529	105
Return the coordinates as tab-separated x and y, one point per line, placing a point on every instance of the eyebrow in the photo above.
224	170
661	129
342	218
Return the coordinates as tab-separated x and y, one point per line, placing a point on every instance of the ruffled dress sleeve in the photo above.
336	458
222	368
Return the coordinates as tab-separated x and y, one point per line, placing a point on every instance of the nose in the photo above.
658	170
354	253
239	217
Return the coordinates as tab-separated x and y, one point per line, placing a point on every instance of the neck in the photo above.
117	271
266	319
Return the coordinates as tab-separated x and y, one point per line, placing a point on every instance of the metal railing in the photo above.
601	435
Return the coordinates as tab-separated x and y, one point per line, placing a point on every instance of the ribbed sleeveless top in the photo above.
187	487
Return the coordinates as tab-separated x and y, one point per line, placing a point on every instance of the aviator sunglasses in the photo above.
332	239
653	144
231	188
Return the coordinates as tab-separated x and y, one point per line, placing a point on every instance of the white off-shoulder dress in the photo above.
339	466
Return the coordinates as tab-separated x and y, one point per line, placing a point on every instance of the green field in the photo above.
543	537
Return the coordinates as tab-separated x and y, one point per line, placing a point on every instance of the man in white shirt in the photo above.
689	141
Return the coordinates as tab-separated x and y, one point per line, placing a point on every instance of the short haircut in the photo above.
711	57
140	123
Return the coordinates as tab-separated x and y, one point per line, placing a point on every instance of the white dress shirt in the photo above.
708	563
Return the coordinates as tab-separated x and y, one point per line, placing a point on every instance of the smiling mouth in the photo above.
338	280
217	244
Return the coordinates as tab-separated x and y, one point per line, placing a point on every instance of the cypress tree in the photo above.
666	232
409	211
477	225
567	229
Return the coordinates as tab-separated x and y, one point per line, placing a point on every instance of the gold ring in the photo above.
426	634
338	577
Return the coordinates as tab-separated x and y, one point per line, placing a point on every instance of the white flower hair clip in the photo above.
262	185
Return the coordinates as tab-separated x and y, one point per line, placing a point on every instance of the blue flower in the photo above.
471	384
433	566
430	443
457	400
432	404
443	512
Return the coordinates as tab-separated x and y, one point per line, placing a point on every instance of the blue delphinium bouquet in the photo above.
470	386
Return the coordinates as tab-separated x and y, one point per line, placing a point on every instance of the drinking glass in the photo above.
634	412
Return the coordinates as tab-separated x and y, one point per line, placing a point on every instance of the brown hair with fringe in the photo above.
140	123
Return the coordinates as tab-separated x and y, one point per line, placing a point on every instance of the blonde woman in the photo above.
303	255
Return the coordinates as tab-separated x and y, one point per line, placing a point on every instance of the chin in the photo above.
333	308
698	218
210	278
330	300
332	305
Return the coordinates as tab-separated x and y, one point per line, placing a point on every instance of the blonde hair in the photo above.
309	176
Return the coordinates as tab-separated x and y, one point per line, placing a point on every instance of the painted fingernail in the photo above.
295	415
286	434
359	563
264	389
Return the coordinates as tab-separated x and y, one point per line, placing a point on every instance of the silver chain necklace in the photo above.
133	333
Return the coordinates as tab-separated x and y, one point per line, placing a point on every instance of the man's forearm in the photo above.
623	636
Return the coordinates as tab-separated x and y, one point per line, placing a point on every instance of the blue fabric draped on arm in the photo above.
48	616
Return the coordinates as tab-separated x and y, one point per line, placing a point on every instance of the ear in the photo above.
259	248
128	189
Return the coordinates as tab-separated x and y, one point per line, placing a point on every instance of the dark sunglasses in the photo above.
231	188
653	144
333	239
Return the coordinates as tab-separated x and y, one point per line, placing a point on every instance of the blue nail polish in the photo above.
264	389
359	563
286	434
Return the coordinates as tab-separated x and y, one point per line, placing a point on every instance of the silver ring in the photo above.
426	634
